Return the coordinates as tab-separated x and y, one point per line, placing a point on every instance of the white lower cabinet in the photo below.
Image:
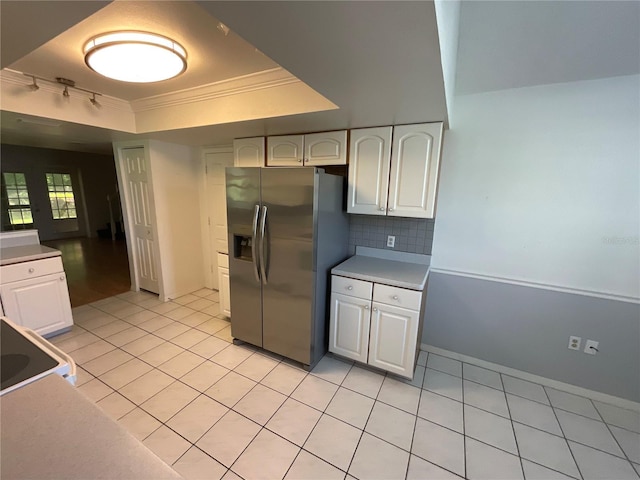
35	295
392	342
223	284
349	335
375	324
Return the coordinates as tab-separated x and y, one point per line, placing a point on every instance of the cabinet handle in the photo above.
395	297
366	307
349	287
62	278
391	209
375	309
299	160
31	270
382	209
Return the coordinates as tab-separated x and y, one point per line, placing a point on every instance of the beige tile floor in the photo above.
168	373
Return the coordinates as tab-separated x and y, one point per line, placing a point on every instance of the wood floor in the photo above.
96	268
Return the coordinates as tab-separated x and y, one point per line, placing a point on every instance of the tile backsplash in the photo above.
413	235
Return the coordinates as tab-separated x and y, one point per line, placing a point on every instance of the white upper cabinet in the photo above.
285	151
369	161
313	150
327	148
248	152
415	161
396	178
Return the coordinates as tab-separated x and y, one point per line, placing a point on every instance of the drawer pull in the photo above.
31	270
395	297
350	287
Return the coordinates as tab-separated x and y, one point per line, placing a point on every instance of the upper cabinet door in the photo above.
369	160
415	162
248	152
285	151
328	148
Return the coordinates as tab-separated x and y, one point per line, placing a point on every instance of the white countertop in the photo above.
398	269
26	253
51	431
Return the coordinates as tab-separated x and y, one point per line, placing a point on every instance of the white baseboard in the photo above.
547	382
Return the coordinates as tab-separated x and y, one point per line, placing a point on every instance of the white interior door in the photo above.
216	162
137	182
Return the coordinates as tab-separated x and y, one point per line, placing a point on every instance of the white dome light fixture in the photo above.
136	57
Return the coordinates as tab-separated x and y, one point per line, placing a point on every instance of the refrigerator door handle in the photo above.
263	255
254	239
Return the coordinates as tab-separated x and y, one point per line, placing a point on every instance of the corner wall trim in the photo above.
542	286
547	382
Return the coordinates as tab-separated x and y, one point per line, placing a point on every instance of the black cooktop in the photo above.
20	359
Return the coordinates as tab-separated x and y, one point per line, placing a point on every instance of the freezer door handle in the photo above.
254	238
263	254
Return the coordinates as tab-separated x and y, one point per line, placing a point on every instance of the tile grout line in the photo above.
562	430
615	439
513	429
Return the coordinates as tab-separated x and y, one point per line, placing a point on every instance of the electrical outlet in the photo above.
591	347
391	241
574	343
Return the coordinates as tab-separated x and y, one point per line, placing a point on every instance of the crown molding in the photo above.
271	78
13	77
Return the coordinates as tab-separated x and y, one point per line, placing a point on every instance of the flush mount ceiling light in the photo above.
136	57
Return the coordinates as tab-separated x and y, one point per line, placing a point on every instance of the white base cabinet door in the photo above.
392	343
349	327
41	304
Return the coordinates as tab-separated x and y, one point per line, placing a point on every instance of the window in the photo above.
17	201
63	203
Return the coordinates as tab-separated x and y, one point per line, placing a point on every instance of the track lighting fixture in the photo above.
67	85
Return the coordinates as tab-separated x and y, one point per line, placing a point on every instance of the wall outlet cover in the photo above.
574	343
391	241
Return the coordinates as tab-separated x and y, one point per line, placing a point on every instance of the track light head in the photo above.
94	102
34	86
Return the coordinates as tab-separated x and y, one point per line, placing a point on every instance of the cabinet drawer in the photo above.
400	297
351	287
25	270
223	260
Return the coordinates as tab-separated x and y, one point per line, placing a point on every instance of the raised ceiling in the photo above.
213	56
378	62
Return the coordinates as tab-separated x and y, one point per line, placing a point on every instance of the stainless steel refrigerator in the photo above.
287	229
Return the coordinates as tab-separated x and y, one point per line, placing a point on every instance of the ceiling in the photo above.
379	61
514	44
212	55
362	56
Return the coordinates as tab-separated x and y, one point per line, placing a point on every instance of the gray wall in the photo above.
413	235
528	329
98	176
